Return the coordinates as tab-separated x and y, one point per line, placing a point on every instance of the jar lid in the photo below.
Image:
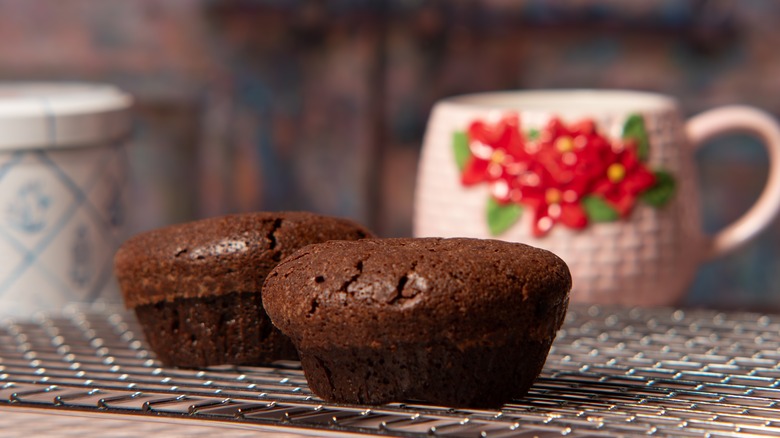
61	114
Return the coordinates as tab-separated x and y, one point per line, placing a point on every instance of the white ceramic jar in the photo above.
63	181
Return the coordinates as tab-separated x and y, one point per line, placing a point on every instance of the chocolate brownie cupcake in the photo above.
196	287
459	322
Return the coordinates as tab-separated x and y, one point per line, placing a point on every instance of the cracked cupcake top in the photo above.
388	291
218	255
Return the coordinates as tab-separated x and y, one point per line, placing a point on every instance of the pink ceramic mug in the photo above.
605	179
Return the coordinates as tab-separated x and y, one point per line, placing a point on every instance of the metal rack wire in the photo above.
611	372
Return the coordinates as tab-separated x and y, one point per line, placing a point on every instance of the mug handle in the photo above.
738	118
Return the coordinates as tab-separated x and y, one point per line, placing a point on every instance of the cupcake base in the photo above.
475	376
224	329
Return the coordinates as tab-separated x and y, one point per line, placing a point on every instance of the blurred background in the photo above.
321	105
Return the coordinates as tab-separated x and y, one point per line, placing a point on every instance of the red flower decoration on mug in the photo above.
567	174
493	150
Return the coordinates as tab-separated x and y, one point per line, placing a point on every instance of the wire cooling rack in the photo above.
611	372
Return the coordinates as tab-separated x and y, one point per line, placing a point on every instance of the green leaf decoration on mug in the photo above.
662	191
599	210
634	129
460	142
569	174
501	217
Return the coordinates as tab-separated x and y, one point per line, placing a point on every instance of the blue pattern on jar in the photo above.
116	212
81	252
29	209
